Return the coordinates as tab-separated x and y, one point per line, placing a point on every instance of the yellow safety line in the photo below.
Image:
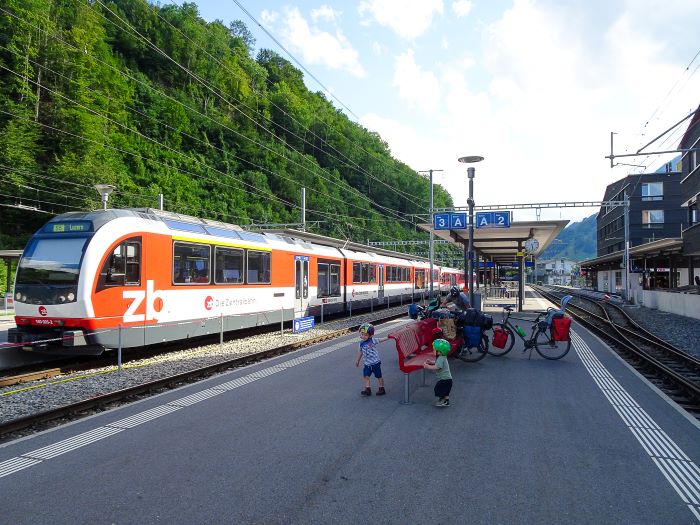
51	383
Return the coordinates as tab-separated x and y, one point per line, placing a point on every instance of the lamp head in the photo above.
470	159
105	189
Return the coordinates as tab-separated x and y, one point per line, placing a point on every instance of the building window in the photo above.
652	218
652	191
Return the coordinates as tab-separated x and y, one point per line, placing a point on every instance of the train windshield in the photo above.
51	261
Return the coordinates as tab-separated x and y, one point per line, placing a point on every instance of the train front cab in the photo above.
50	309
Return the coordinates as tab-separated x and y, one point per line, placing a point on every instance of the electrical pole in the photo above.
432	235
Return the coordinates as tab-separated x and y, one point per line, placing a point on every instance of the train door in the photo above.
380	284
301	285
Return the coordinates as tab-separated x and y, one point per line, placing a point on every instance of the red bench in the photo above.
414	344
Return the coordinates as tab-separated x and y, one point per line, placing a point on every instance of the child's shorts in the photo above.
443	387
375	369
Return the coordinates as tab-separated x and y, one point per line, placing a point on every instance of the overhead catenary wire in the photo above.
294	59
142	157
167	96
346	160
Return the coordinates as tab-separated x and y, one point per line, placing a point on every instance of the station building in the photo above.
664	234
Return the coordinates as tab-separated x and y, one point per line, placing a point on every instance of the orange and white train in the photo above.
135	277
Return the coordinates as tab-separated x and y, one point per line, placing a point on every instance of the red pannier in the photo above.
560	328
500	337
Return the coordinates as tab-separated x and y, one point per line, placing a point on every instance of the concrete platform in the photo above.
290	440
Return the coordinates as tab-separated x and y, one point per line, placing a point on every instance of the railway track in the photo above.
42	420
672	370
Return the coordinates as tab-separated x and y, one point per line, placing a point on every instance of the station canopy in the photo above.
501	244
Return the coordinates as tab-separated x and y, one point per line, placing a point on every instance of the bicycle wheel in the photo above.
510	341
548	347
474	354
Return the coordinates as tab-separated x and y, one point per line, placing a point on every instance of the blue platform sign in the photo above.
493	219
458	221
441	221
302	324
449	221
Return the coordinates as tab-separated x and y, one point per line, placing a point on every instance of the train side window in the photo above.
335	280
356	272
323	278
259	267
228	265
373	273
365	273
122	267
191	263
328	277
133	263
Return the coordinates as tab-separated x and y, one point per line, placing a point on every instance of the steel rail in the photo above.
74	410
691	388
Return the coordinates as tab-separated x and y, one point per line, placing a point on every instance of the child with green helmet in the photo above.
442	372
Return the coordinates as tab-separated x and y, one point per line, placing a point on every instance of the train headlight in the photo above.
71	296
61	299
18	296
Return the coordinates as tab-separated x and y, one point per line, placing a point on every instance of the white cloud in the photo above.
320	47
539	103
461	8
407	18
269	17
418	87
325	13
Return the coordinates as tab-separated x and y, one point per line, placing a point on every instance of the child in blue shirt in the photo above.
373	364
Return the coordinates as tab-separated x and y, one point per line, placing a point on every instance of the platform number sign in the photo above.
449	221
493	219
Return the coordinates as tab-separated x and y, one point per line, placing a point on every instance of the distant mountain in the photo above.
577	241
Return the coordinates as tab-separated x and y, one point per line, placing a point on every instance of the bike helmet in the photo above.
454	291
441	346
367	329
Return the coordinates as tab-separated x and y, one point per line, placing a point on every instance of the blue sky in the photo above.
534	86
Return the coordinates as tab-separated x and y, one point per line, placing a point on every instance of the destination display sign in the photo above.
68	227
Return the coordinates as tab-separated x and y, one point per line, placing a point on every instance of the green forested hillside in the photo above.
576	242
156	100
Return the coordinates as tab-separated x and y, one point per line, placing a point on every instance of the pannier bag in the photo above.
413	311
447	325
472	336
500	337
560	328
473	317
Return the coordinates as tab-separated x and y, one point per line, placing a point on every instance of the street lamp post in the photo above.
470	255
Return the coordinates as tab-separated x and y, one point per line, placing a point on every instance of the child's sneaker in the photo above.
381	391
366	392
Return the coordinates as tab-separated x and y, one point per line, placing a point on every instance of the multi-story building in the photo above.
654	212
690	194
555	271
